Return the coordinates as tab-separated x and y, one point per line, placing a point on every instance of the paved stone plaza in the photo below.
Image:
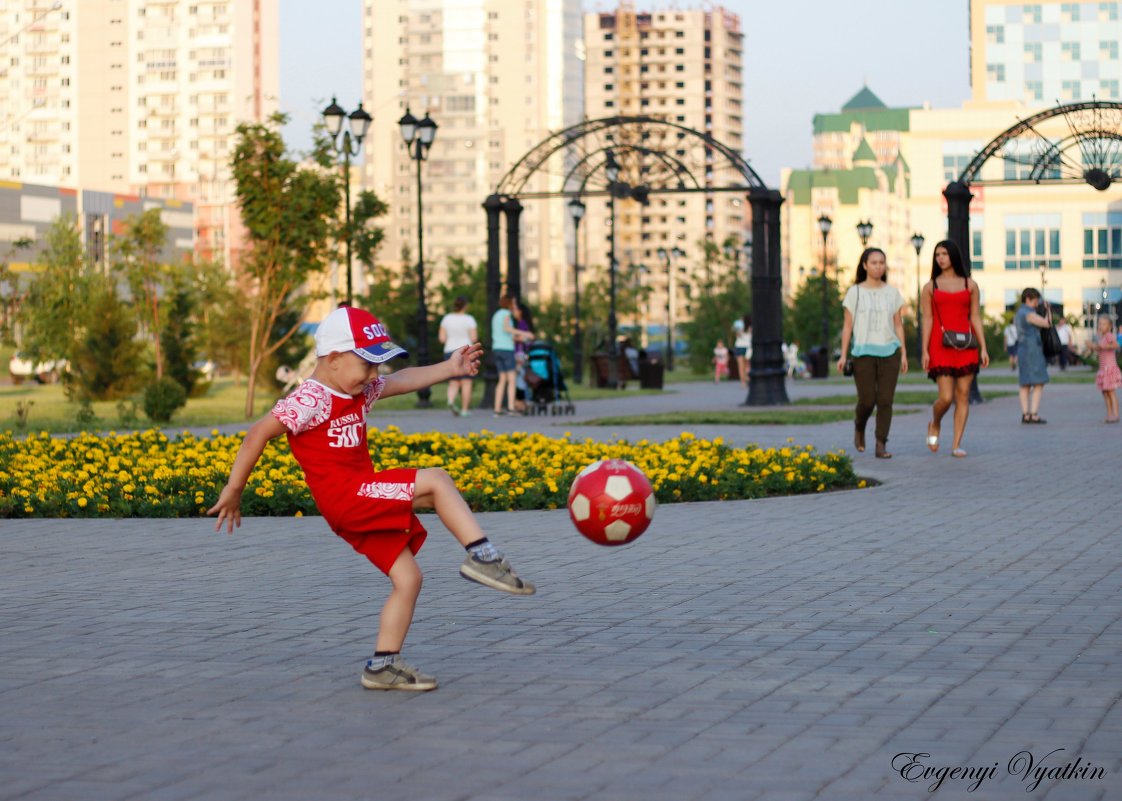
779	649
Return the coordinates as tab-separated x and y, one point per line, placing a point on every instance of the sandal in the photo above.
882	450
958	453
1035	418
859	441
1026	418
932	439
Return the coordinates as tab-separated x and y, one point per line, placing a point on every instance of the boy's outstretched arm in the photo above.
465	361
229	505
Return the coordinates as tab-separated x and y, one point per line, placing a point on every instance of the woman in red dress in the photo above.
950	303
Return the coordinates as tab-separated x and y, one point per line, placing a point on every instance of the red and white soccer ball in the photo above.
611	502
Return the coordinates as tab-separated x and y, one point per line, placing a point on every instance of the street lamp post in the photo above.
611	170
349	146
864	230
419	136
824	224
917	243
576	211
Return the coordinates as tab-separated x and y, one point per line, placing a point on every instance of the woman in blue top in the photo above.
503	335
1032	367
874	323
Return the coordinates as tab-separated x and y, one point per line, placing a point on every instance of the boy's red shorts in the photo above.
379	521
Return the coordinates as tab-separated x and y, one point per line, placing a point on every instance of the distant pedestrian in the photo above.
458	328
1109	378
950	306
1063	331
1032	370
742	347
720	361
1010	336
873	321
503	336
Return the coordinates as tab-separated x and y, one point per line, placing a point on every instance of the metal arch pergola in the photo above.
655	157
1088	151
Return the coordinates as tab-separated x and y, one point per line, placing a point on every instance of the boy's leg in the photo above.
484	563
387	671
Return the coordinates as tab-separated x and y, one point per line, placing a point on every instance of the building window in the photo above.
1070	90
1108	51
995	34
1034	90
1034	52
1033	14
1070	51
1069	12
1102	248
976	260
995	73
1108	90
1029	248
1108	12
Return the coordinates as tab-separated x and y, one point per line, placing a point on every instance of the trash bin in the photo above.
600	373
651	371
817	363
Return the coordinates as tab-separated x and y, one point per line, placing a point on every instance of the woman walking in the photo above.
1032	367
954	342
457	329
874	324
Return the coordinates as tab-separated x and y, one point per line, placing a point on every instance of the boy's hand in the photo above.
466	361
228	508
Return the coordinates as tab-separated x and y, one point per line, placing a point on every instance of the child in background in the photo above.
720	361
325	422
1109	377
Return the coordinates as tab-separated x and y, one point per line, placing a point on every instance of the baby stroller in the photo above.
545	382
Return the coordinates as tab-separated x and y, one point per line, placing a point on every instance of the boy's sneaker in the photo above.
396	675
454	408
497	575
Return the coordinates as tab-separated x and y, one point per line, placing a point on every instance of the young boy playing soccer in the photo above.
325	422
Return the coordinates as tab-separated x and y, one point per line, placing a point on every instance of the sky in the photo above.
802	57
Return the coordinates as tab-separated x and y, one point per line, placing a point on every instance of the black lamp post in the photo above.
418	136
576	211
348	145
864	230
824	224
917	243
611	170
669	257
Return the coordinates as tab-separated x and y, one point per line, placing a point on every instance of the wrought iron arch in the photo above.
1085	148
655	156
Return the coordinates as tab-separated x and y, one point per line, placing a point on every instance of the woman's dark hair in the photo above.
747	321
956	260
460	303
1030	294
527	315
862	273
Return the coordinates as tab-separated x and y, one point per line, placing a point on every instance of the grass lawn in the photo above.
916	397
769	417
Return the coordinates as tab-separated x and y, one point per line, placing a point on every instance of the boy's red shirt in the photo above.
327	434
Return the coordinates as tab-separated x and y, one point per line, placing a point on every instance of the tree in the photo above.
177	338
57	297
803	318
289	212
10	295
725	298
105	363
136	254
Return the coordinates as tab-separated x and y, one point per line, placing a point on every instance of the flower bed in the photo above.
149	475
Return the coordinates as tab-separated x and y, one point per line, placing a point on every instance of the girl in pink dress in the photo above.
1109	378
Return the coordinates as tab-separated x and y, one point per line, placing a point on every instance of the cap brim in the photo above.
377	354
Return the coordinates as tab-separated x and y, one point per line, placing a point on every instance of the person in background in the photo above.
1109	377
1063	330
950	303
458	328
874	323
1010	336
1032	367
742	347
720	361
525	334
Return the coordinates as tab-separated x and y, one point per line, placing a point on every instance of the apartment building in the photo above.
139	97
497	76
682	66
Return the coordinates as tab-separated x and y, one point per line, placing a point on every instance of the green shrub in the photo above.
161	398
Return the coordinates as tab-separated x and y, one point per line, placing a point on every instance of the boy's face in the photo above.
351	372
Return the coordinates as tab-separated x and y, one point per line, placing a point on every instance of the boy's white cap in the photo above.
351	329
